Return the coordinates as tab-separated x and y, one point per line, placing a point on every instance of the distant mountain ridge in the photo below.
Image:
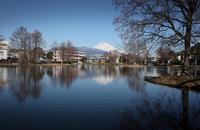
90	51
100	48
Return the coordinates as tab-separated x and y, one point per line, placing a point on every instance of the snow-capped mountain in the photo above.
104	47
90	51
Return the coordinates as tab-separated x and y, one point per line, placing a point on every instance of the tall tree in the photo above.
29	45
21	40
138	50
70	51
37	43
67	51
63	51
172	22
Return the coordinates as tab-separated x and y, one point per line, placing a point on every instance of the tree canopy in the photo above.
171	22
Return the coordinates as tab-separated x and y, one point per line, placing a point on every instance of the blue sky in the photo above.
84	22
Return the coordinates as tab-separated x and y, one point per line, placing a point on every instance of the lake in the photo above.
93	97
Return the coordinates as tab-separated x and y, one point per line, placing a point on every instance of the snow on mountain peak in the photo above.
104	47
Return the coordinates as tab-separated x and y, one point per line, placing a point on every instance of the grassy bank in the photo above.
183	81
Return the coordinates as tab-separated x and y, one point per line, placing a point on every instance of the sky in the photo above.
84	22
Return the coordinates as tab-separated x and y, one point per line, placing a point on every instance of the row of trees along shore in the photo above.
29	46
173	23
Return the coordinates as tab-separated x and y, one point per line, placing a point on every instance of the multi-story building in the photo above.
73	56
4	48
57	56
77	56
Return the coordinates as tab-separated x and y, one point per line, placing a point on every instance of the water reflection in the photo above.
135	78
25	82
63	76
3	79
166	71
103	80
163	111
137	103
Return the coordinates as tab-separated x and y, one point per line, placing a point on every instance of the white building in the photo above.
4	48
75	56
57	56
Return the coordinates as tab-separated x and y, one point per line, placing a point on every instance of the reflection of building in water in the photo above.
103	80
64	75
3	76
57	71
103	75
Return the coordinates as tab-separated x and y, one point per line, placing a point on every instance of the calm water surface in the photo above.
93	97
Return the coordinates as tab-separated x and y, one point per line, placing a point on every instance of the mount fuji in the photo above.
99	49
103	46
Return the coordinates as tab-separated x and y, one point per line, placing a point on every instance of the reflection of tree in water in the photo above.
135	78
63	75
25	81
161	112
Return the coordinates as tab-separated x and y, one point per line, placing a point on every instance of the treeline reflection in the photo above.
164	109
29	81
25	82
173	110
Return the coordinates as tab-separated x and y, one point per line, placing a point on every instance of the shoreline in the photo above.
108	64
60	64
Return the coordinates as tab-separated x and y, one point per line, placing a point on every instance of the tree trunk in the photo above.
187	39
187	54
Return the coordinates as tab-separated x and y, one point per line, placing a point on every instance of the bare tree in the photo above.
29	45
165	54
172	22
138	50
63	51
37	43
67	51
126	58
71	50
110	57
21	40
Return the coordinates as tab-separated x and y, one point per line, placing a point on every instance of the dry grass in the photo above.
176	81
